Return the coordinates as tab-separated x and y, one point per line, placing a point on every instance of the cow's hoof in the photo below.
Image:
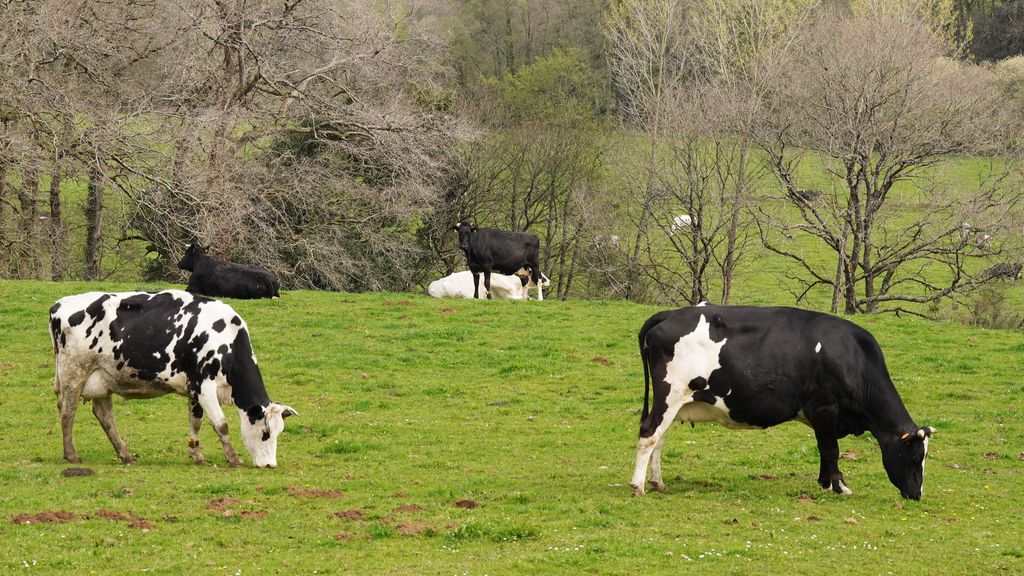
659	486
129	459
637	490
73	458
235	464
200	460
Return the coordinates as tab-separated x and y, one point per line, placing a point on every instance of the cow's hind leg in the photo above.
655	479
487	283
208	401
652	437
195	421
476	285
103	409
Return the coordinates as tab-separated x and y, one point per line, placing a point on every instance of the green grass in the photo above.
408	406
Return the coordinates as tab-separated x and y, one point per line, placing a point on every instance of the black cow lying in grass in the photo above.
214	277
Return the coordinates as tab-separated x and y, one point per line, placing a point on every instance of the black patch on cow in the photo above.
266	435
76	318
255	413
197	410
236	321
96	311
95	341
705	396
698	383
219	325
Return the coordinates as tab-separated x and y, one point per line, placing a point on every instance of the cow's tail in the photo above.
645	358
647	381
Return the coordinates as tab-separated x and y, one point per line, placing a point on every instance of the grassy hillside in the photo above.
462	437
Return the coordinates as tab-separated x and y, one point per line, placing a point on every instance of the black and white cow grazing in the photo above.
489	249
746	367
143	345
214	277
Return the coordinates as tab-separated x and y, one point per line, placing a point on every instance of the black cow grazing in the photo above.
214	277
141	345
747	367
490	249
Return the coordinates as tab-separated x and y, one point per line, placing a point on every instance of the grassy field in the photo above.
462	437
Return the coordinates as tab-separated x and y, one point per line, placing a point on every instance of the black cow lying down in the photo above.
214	277
747	367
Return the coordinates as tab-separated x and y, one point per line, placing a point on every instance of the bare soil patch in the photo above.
49	517
353	514
467	503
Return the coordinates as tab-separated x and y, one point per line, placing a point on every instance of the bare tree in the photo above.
873	100
648	57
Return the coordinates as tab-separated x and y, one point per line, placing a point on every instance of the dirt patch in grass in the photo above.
253	514
111	515
409	508
49	517
990	456
764	477
221	504
601	360
140	523
314	492
467	503
410	529
852	456
806	498
74	472
447	310
353	514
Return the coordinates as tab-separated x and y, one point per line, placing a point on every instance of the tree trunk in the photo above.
734	225
5	257
58	251
30	264
94	225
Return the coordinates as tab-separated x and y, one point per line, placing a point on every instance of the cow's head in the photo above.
903	457
188	261
465	230
261	425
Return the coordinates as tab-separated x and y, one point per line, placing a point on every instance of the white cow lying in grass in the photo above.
460	285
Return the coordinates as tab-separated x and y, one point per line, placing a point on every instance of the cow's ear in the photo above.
926	432
288	411
457	226
473	227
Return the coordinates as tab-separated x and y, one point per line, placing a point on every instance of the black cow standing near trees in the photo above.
490	249
215	277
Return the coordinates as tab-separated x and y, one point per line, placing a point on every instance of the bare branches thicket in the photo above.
649	62
873	100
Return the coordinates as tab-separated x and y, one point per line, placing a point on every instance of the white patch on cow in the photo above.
842	488
694	356
702	303
817	348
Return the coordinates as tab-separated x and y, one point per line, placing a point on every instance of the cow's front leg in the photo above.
487	283
476	285
209	403
103	409
829	476
195	421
